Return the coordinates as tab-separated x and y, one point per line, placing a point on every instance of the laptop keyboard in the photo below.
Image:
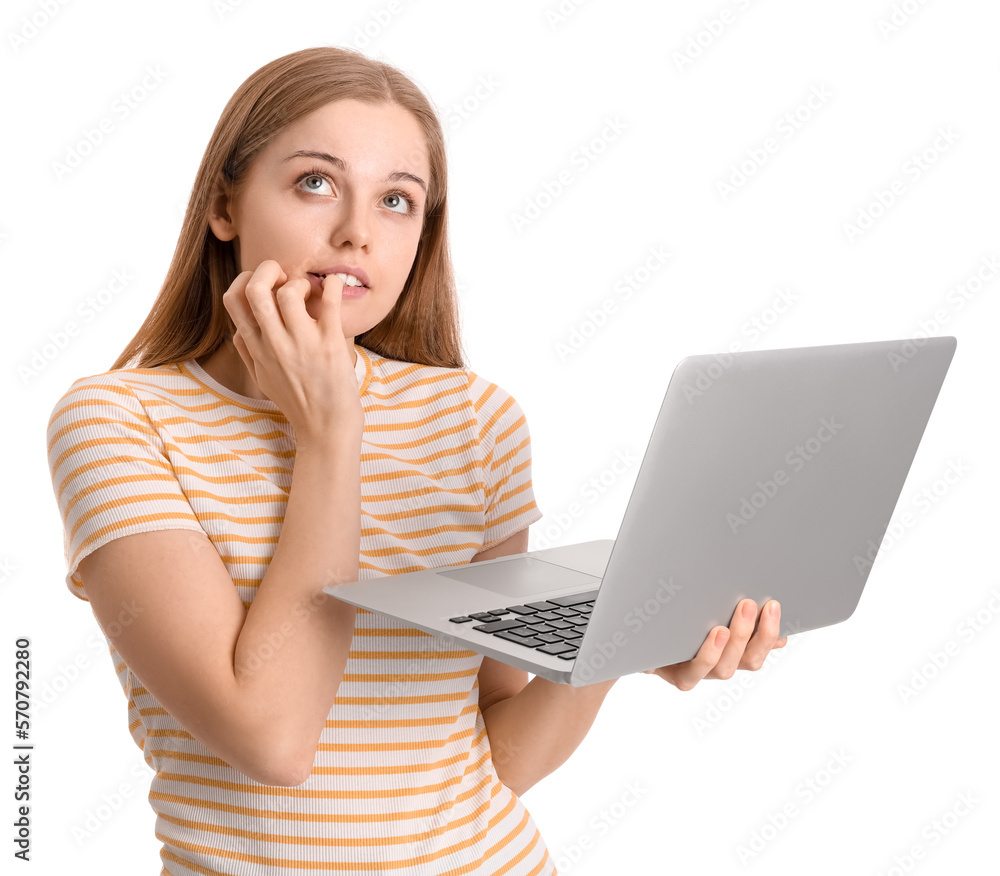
552	626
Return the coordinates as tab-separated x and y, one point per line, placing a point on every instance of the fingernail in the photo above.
748	610
775	608
720	638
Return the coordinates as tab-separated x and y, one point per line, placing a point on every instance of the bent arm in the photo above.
534	732
535	726
254	686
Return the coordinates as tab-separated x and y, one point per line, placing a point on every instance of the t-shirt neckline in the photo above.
362	368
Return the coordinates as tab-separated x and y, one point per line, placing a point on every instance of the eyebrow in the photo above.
339	162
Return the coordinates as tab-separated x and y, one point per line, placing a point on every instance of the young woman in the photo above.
295	412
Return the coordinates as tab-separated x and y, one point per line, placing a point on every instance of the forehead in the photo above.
373	139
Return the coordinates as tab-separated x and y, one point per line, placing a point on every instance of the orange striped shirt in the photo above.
403	780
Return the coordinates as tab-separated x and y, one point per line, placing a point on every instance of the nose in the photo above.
353	223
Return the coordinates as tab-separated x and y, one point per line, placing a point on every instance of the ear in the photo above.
219	213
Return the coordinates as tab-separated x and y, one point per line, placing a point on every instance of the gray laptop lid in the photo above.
790	463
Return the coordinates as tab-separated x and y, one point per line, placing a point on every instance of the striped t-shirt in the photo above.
403	780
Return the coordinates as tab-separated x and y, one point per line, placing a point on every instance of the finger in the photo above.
241	348
234	300
685	676
291	303
765	637
329	315
260	296
741	629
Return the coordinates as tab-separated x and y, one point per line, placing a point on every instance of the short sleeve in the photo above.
505	444
110	473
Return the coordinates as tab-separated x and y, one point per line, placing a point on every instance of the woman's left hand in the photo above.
724	651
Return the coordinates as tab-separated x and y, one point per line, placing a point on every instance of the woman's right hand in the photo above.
301	364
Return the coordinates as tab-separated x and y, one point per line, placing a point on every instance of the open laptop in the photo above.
770	474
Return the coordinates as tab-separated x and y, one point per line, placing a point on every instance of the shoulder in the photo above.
108	393
107	387
497	410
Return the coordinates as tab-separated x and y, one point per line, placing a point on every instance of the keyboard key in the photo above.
510	637
523	631
521	609
549	637
567	655
556	648
542	606
578	621
480	615
498	611
547	615
560	624
568	634
542	628
577	599
461	620
566	612
496	626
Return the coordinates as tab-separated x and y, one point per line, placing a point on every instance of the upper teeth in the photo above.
349	279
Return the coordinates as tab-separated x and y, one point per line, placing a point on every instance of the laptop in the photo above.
770	474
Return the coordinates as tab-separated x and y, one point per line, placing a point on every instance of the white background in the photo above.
647	791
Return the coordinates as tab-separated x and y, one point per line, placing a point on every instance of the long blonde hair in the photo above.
188	319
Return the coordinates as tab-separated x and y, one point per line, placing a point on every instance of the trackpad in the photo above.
524	576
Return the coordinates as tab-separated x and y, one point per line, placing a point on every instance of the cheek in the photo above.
405	251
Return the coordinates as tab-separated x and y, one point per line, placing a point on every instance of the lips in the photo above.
344	269
349	291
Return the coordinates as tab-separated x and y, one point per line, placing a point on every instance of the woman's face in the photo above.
342	186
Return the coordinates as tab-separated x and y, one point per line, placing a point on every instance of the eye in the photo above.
398	199
310	177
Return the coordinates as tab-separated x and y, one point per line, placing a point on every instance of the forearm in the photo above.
535	731
292	650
